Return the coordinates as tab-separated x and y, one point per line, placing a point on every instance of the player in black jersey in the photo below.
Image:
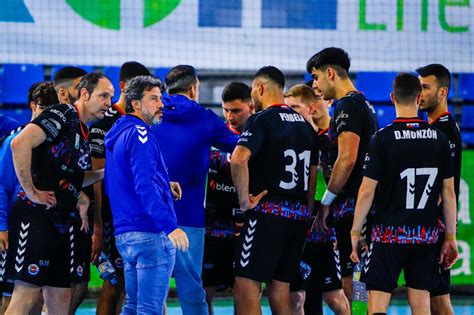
223	216
319	252
51	156
352	125
274	172
435	82
40	96
408	166
65	84
111	296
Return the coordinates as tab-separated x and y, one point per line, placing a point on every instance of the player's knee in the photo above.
337	302
441	305
420	304
297	300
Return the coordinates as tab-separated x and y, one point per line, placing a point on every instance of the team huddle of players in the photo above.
265	220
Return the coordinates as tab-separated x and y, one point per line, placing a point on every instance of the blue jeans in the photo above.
187	274
148	259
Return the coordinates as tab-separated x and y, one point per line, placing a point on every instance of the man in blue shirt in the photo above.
186	135
7	124
146	229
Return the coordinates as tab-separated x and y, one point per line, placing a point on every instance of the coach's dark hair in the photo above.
273	74
45	95
331	57
31	90
236	91
406	88
180	79
67	74
132	69
90	82
441	73
136	87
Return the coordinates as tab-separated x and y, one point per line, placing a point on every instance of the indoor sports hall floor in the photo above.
399	306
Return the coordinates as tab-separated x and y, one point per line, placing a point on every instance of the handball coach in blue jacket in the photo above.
141	199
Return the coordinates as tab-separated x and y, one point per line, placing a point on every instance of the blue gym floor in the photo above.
462	306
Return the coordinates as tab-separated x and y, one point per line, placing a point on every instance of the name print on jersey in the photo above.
418	134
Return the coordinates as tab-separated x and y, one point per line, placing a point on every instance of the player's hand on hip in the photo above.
252	201
176	190
449	253
321	218
3	240
42	197
179	239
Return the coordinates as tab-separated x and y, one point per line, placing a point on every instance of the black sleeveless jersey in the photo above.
409	159
283	146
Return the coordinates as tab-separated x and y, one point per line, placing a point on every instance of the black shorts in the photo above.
110	248
6	284
81	254
269	247
217	267
385	262
445	277
38	253
343	235
325	266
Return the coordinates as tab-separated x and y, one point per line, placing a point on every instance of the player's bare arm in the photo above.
22	146
363	204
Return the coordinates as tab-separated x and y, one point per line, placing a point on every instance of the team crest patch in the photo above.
119	263
33	269
79	271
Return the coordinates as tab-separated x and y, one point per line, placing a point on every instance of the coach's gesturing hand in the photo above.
176	190
179	239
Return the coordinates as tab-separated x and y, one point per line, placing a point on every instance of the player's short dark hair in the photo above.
406	88
67	74
236	91
90	81
441	73
31	90
330	57
309	83
45	95
136	87
273	74
132	69
304	92
180	79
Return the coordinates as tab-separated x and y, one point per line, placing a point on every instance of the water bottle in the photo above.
106	269
305	270
359	293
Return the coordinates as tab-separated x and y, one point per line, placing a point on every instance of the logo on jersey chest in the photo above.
221	187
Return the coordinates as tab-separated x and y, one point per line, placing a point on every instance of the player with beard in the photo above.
319	252
435	82
352	125
274	171
111	296
223	216
65	83
51	156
